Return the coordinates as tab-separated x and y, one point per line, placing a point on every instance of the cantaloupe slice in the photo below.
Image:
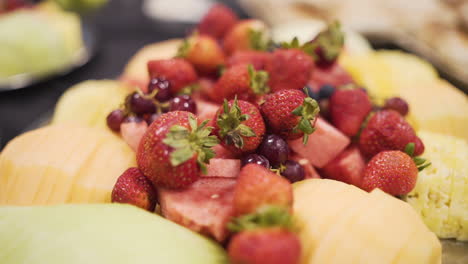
60	164
339	223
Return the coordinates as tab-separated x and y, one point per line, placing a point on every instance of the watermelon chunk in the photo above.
323	145
347	167
206	110
205	207
224	153
132	133
224	167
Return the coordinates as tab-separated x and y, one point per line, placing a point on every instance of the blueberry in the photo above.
326	91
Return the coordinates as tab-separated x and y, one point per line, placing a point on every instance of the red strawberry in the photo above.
290	113
334	75
217	22
348	109
205	207
265	246
178	72
257	187
265	237
394	172
388	130
241	80
132	187
249	34
174	149
258	59
347	167
239	126
327	45
203	52
289	69
207	88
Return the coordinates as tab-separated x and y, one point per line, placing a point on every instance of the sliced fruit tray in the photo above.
276	151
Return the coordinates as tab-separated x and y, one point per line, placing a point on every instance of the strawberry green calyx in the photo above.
308	112
189	142
230	123
189	89
330	42
421	163
264	217
258	80
294	44
257	40
184	48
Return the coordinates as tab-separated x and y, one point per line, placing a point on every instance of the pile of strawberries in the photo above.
225	169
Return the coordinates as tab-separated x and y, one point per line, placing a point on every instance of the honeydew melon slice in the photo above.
100	233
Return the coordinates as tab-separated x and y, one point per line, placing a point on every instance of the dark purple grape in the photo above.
183	103
257	159
151	118
133	119
163	87
140	105
293	171
275	149
114	119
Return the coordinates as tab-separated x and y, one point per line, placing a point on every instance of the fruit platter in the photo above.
231	146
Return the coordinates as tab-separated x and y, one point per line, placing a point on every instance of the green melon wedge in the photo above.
100	233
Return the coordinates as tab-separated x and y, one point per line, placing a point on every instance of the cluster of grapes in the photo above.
148	106
273	153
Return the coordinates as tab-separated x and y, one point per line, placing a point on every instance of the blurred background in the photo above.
95	39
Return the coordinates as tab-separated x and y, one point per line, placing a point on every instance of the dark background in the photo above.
121	30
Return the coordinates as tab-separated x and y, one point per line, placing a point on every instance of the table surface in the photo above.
122	30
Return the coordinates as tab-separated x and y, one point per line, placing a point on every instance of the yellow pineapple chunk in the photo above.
437	106
441	192
60	164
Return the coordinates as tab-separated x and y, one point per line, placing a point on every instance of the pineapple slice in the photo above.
406	68
441	192
371	73
88	103
437	106
62	163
